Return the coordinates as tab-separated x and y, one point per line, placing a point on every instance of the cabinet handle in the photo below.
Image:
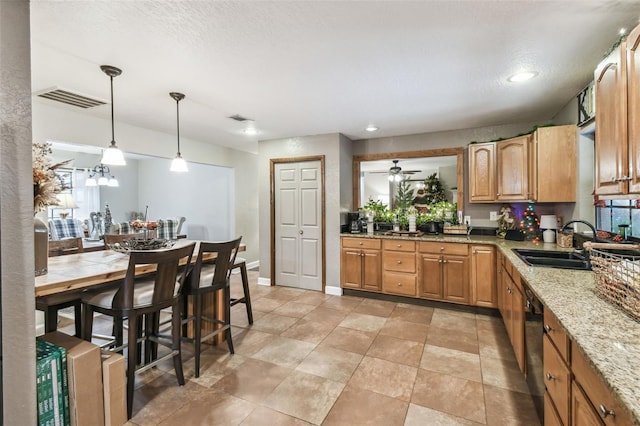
441	248
399	245
360	243
606	412
444	261
400	285
439	260
552	377
548	328
399	262
361	254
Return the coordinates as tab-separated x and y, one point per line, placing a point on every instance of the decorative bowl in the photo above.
135	244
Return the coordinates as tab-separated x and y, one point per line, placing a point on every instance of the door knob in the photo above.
301	232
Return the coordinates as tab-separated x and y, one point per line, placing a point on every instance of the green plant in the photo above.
378	208
404	198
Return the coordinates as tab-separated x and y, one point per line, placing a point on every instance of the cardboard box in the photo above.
86	404
114	382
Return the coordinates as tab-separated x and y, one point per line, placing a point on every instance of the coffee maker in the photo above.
354	222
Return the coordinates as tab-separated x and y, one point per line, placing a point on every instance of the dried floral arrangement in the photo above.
46	184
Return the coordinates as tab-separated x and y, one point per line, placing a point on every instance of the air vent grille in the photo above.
70	98
238	117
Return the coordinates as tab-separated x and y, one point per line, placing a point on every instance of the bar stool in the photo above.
246	299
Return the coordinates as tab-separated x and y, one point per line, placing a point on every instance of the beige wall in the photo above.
16	218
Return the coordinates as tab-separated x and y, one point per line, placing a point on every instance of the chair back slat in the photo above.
225	252
168	278
66	246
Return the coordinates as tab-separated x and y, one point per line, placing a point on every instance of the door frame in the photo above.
272	202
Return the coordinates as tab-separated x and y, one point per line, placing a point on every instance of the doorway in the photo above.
297	222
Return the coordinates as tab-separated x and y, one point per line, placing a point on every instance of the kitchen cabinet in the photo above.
444	271
399	267
557	380
361	264
617	92
483	276
539	167
512	310
482	172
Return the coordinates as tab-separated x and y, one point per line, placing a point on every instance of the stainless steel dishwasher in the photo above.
533	335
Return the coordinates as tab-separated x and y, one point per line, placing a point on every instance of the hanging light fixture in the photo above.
112	155
100	175
178	164
395	172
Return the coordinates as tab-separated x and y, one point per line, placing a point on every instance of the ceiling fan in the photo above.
396	174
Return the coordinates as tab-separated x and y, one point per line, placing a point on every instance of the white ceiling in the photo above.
313	67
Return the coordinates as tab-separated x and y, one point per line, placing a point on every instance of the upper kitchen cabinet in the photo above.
538	167
617	86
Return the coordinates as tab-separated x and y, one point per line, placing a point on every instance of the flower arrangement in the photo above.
46	184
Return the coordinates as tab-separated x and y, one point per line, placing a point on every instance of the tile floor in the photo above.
310	358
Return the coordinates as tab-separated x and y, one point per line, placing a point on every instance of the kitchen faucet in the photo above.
584	222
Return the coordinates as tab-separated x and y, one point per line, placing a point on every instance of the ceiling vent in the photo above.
68	97
238	117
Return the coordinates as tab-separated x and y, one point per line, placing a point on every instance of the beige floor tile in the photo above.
384	377
362	407
503	374
452	395
326	316
214	365
210	408
264	416
273	323
379	308
452	362
418	415
305	396
452	320
343	303
349	340
254	381
248	341
285	352
330	363
309	331
266	304
314	298
420	315
505	407
363	322
405	330
294	309
496	350
397	350
452	339
285	293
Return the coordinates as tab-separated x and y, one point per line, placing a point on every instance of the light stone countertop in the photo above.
609	338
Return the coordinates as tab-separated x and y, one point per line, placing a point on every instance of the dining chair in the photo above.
141	300
66	246
206	279
241	263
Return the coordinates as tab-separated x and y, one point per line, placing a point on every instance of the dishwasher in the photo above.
533	335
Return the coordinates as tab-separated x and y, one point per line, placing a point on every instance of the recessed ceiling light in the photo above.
522	76
250	131
371	129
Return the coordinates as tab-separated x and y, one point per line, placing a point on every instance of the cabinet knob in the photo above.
548	328
399	245
360	243
441	248
444	261
439	260
399	284
606	412
399	262
550	376
498	194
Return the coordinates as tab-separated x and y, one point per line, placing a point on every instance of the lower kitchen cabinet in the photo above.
557	380
361	264
444	271
483	276
512	309
399	267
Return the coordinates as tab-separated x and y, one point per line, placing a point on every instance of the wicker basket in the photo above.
617	275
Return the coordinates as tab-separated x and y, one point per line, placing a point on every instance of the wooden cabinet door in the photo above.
455	277
633	104
483	276
499	280
554	152
557	380
351	268
611	124
512	159
551	417
482	172
582	413
431	276
371	273
517	326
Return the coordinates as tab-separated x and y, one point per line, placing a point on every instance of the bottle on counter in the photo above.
396	224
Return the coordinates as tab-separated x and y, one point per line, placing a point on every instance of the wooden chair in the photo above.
66	246
143	299
207	279
246	299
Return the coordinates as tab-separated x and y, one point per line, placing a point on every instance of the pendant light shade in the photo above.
178	164
112	155
100	175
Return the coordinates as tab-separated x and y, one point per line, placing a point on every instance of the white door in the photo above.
298	220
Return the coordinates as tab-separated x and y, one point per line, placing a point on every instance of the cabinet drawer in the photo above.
557	335
557	379
399	245
399	283
596	391
364	243
445	248
399	262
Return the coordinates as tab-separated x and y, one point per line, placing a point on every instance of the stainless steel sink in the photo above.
554	259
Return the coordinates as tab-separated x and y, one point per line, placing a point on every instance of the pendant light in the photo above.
112	155
178	164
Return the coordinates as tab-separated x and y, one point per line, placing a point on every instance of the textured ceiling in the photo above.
314	67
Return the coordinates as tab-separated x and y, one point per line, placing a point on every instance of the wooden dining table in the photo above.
68	276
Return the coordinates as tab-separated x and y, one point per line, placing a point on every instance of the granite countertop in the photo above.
609	338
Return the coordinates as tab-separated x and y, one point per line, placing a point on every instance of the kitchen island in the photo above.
609	339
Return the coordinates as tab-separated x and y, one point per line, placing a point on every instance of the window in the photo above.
619	212
87	198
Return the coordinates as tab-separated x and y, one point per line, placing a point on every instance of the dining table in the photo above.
68	276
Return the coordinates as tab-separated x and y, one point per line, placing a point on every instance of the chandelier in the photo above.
100	175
